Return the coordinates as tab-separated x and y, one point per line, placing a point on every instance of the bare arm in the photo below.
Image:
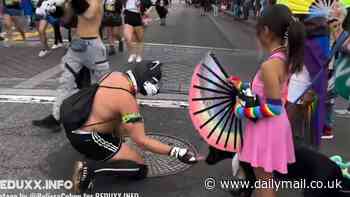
136	130
270	75
93	9
148	11
271	72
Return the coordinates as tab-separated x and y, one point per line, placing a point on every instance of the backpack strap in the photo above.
97	123
104	77
116	88
111	87
71	71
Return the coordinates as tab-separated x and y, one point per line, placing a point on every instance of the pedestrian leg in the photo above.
8	27
19	27
57	32
111	40
69	32
66	88
43	38
118	34
96	59
139	33
129	36
67	81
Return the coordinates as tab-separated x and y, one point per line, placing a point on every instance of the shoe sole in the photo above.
327	137
342	114
78	166
46	54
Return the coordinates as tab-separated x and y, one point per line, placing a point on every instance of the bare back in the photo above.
90	26
107	104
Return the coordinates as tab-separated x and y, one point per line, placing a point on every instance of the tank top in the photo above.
133	5
258	84
113	6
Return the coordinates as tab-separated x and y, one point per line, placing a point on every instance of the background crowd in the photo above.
25	15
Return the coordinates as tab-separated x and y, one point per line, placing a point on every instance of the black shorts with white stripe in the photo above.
94	145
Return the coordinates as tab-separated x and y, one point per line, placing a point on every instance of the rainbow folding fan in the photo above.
313	8
211	99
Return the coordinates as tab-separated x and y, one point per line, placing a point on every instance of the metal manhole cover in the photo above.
161	165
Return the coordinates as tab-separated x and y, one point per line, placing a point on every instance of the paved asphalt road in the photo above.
27	152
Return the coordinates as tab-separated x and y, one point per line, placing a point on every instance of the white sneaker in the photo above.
7	43
131	58
56	46
327	137
43	52
342	111
138	59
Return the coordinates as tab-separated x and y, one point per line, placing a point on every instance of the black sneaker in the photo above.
121	46
2	39
111	51
82	178
49	122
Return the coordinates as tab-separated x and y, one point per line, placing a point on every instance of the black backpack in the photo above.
75	110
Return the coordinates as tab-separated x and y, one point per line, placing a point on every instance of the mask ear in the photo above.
155	69
145	77
156	63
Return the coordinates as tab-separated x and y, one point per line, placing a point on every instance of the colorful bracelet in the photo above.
273	107
132	117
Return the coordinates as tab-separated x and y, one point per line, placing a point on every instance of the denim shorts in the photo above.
13	11
52	20
38	18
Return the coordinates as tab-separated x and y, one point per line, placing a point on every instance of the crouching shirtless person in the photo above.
115	109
